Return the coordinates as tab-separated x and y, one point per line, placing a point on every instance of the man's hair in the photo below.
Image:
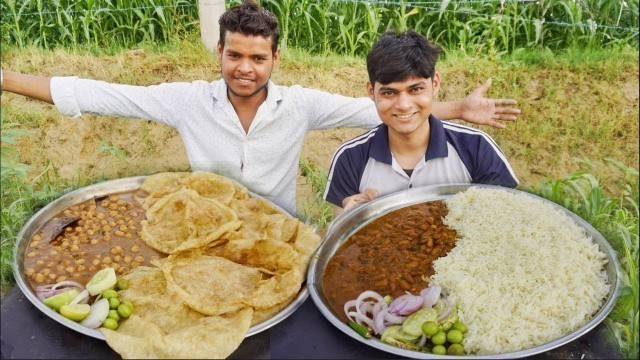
249	18
399	56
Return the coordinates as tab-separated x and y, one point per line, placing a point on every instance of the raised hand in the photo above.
478	109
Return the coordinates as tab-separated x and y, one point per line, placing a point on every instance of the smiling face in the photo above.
246	63
405	106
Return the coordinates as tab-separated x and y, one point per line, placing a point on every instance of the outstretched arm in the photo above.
37	87
478	109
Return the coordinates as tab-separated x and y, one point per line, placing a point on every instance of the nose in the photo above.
245	66
403	101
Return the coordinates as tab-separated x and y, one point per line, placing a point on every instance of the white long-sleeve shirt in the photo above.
265	159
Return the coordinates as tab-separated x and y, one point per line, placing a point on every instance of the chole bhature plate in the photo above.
99	190
352	221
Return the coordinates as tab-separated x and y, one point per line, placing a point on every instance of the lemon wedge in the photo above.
101	281
75	312
64	298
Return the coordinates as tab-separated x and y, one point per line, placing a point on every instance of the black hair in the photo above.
398	56
249	18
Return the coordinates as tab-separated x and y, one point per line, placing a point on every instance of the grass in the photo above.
317	211
21	196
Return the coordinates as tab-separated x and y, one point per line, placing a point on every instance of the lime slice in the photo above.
75	312
101	281
58	300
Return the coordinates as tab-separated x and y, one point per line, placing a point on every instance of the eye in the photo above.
259	58
417	89
386	92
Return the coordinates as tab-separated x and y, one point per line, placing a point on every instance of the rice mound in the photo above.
523	273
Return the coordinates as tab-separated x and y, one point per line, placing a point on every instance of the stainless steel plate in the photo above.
350	222
84	194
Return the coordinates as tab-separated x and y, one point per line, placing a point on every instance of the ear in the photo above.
436	83
219	53
370	91
276	57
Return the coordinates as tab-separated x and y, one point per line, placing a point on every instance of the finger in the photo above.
505	102
504	117
507	110
370	193
495	124
484	88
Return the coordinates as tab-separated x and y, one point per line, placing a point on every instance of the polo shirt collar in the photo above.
438	140
437	148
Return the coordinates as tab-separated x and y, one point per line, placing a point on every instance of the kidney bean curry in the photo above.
390	255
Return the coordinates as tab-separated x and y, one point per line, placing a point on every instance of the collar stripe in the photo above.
472	131
361	139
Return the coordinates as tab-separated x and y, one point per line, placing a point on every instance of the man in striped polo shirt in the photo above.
411	147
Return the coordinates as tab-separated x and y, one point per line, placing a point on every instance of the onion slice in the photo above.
348	305
405	304
447	312
81	298
68	283
97	314
430	296
379	321
423	340
359	318
394	319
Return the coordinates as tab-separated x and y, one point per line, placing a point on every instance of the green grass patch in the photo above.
318	212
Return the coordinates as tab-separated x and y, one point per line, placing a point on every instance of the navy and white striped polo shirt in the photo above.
456	154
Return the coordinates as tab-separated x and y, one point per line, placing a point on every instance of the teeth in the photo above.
404	116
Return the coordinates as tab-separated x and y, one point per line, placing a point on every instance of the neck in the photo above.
246	107
409	149
252	101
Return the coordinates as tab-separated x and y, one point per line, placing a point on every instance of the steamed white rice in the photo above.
522	273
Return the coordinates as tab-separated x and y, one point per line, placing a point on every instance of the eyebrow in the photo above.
387	88
233	52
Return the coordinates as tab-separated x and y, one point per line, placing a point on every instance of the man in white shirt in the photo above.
242	126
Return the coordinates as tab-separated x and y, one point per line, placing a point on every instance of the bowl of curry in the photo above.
388	246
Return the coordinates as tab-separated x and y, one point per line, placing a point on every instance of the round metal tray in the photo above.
350	222
84	194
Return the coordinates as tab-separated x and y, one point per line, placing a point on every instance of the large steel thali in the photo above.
350	222
96	191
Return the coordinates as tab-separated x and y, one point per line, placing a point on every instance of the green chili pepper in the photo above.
362	330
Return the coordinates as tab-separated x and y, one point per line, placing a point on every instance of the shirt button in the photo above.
410	186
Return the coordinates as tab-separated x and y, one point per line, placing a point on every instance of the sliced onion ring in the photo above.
430	296
348	305
83	298
379	321
67	283
405	304
359	318
423	340
394	319
447	312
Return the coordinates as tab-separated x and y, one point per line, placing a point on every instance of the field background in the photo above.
571	65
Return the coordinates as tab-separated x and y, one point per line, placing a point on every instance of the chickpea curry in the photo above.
390	255
86	237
